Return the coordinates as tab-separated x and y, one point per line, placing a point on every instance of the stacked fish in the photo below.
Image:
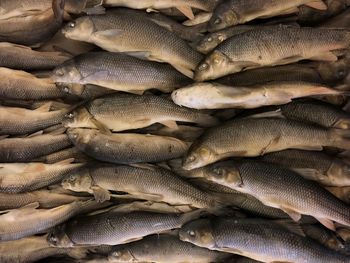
175	131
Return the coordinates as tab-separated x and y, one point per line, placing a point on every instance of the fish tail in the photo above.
340	138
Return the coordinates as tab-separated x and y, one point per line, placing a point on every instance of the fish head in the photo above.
197	158
198	232
209	42
71	88
222	17
80	136
66	73
58	238
80	29
335	71
78	182
224	174
78	118
214	66
121	255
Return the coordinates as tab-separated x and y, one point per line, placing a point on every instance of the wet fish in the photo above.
29	148
126	148
234	12
148	182
113	228
45	198
28	220
250	137
343	193
290	191
117	71
31	249
316	166
204	95
257	239
29	59
25	177
114	112
18	121
16	84
164	248
290	44
116	32
29	29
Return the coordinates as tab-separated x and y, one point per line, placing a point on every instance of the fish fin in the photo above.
66	161
37	167
44	108
270	144
293	214
187	72
231	250
4	137
319	5
327	56
23	211
340	138
308	173
144	55
35	134
186	10
162	24
108	34
137	92
33	205
269	114
103	128
309	148
148	196
144	166
327	223
171	124
100	194
131	240
291	226
96	10
10	45
192	215
58	131
289	60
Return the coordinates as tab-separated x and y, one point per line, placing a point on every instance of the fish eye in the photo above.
70	115
72	178
341	73
191	233
72	24
191	158
53	238
204	66
116	254
221	38
209	39
217	21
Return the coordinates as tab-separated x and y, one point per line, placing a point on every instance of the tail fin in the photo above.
339	138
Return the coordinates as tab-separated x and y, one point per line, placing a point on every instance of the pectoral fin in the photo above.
327	223
328	56
171	124
108	34
293	214
100	194
319	5
185	71
187	11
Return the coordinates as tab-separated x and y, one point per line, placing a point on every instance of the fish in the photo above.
205	95
252	137
17	84
29	29
29	148
257	239
114	228
342	193
117	29
19	121
114	113
45	198
124	148
164	248
31	249
234	12
289	193
69	153
184	6
29	220
317	166
316	112
117	71
25	177
148	182
290	44
30	59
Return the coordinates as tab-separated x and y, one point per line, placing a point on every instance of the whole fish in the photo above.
164	248
25	177
317	166
258	239
69	153
29	29
116	32
117	71
204	95
149	182
31	249
316	112
17	121
114	112
45	198
16	84
234	12
250	137
30	59
284	189
126	148
343	193
330	73
29	148
114	228
28	220
253	49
